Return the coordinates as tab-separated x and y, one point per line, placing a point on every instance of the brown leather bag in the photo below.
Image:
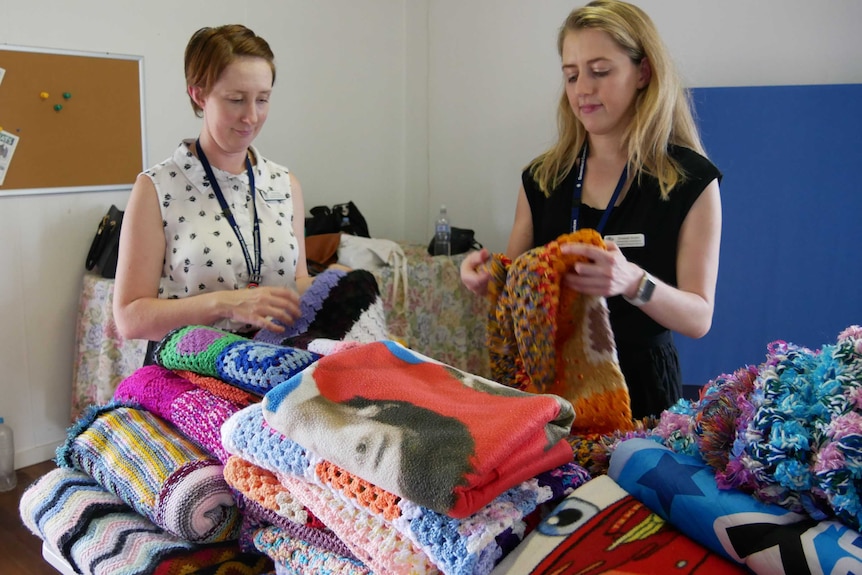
321	251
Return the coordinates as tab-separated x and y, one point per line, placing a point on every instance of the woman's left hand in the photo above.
605	273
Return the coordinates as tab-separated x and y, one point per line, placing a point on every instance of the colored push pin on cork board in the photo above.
67	95
44	95
58	107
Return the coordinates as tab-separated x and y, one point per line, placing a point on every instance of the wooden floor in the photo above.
21	551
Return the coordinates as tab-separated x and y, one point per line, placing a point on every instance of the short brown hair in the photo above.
211	50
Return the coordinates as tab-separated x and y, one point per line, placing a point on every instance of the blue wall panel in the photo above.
791	253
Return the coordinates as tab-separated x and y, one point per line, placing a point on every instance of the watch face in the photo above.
646	292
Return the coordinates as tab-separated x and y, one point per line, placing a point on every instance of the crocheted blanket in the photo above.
546	338
155	470
339	305
194	411
440	437
601	528
388	533
295	555
96	533
263	499
250	365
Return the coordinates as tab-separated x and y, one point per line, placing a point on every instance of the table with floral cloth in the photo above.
435	315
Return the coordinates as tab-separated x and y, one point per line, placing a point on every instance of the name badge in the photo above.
627	240
272	195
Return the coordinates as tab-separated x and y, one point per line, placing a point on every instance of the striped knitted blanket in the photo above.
96	533
445	439
155	470
388	533
545	338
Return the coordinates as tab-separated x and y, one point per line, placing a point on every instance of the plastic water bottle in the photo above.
8	479
442	234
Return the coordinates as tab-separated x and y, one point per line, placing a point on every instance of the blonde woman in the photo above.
629	163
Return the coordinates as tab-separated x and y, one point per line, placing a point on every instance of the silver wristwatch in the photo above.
645	289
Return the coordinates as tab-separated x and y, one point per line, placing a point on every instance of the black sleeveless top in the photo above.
641	211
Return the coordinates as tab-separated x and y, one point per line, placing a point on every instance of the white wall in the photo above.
494	80
338	120
399	105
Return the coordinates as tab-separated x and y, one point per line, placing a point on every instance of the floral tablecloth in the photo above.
438	317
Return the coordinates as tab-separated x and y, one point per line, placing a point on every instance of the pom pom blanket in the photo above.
440	437
96	533
767	538
155	470
254	366
386	532
546	338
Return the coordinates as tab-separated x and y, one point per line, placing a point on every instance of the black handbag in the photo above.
106	244
461	240
344	218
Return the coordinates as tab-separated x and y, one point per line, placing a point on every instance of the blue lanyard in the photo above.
253	269
579	184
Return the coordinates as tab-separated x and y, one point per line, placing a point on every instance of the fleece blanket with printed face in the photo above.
445	439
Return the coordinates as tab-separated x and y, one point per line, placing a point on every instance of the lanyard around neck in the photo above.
579	184
253	268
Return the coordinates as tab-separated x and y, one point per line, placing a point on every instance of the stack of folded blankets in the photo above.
342	453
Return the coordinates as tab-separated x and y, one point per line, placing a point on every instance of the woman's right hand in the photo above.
262	306
474	271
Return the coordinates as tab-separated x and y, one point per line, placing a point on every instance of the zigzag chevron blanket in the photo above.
389	533
445	439
155	470
545	338
96	533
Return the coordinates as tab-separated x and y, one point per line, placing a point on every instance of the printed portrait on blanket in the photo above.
416	427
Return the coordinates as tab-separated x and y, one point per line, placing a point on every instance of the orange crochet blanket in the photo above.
546	338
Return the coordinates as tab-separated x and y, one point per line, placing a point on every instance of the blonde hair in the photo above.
211	50
663	113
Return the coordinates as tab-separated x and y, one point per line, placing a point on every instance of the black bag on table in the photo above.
461	240
106	244
344	218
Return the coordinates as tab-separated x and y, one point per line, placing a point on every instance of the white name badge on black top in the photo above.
627	240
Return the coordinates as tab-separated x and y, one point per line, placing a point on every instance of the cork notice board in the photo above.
69	121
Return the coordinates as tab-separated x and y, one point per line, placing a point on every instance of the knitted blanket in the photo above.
389	533
197	413
545	338
253	366
155	470
766	538
96	533
440	437
338	305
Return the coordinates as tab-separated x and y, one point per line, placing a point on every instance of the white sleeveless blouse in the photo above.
202	252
